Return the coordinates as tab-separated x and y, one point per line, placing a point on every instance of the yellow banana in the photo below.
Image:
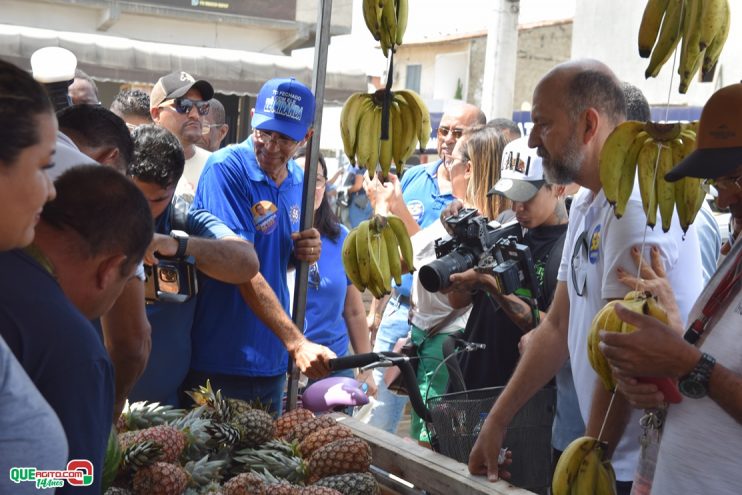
713	50
690	53
350	260
402	16
362	252
650	25
628	174
392	248
712	21
689	197
422	115
646	165
403	238
606	483
587	475
613	154
389	22
669	36
410	129
567	468
385	264
370	18
349	116
665	190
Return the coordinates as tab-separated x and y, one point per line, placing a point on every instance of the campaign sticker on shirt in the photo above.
417	209
294	213
264	216
594	252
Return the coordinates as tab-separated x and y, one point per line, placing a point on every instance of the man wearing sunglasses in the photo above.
705	355
241	333
178	102
576	106
426	190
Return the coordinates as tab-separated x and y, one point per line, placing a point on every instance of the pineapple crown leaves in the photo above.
215	405
139	455
143	414
291	468
204	471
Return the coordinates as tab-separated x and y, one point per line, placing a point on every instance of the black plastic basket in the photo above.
458	417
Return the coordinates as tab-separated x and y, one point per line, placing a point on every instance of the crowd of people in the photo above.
101	204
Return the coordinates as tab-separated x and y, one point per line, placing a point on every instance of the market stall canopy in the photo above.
110	58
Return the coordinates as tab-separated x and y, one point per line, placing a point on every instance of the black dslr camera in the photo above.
512	266
473	240
172	279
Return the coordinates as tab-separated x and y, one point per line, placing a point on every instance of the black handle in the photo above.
354	361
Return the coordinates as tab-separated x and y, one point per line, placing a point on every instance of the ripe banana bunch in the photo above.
360	128
387	21
607	319
371	254
582	469
652	149
701	25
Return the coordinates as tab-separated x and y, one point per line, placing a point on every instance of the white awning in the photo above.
110	58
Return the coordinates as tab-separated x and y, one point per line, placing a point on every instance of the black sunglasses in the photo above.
184	106
578	265
443	131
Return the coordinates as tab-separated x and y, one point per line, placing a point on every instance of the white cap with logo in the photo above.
521	172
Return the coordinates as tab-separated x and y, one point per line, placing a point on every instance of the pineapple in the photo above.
347	455
140	415
245	484
162	478
238	407
277	463
318	490
116	490
289	420
139	455
171	440
282	489
323	437
351	484
303	430
256	428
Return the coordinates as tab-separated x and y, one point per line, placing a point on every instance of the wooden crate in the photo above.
421	467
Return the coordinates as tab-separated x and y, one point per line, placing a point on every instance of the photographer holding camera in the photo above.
185	239
500	321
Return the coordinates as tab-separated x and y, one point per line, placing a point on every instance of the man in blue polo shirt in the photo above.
241	333
426	190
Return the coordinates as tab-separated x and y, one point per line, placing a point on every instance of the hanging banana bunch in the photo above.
360	128
583	469
371	254
701	27
387	21
652	150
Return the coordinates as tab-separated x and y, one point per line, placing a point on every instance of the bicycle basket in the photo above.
458	417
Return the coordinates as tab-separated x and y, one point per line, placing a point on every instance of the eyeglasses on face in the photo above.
443	131
266	137
579	274
184	105
733	184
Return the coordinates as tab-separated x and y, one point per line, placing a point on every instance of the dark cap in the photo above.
718	140
175	85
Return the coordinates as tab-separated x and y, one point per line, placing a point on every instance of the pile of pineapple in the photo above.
225	446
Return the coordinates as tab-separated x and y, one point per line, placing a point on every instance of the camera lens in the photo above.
435	275
168	275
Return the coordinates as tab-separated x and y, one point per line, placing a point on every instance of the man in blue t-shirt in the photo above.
181	233
88	244
241	334
426	190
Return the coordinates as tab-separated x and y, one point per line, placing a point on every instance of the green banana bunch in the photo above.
582	469
387	22
360	129
607	319
703	26
652	149
371	254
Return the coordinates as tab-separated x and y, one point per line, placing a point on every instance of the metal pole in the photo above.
321	42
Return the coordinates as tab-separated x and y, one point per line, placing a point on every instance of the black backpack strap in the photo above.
179	207
552	269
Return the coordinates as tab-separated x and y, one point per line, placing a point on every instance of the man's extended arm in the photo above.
542	359
309	357
127	337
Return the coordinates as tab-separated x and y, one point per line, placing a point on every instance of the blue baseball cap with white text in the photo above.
285	106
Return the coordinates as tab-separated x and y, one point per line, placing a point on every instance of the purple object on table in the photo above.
328	393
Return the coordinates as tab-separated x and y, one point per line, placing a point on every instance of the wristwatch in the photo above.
182	239
696	383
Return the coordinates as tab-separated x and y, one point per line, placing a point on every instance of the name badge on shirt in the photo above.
417	209
594	251
264	216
